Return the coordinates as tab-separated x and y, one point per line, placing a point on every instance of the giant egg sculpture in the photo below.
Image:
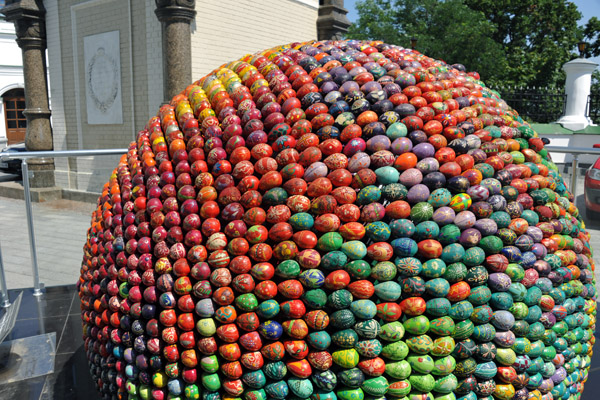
337	220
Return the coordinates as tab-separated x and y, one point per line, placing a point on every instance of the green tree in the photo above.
513	42
446	30
591	34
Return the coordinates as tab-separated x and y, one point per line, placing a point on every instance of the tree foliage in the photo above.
516	42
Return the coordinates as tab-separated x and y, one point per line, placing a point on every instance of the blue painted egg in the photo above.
363	309
312	278
271	330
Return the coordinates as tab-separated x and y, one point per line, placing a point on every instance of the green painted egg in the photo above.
444	366
521	328
501	218
315	298
480	295
333	260
399	389
354	249
251	394
421	212
369	348
464	349
302	388
465	367
384	271
388	291
534	294
477	276
437	287
342	319
339	299
461	310
537	349
329	241
319	340
491	244
519	310
209	364
375	386
358	269
363	309
439	197
347	358
446	384
288	269
443	326
505	356
396	351
324	380
421	344
417	325
392	331
474	256
275	370
453	252
350	394
433	268
422	382
398	369
346	338
420	363
246	302
402	228
455	272
484	333
323	395
449	234
515	272
351	378
443	346
368	194
482	314
368	329
438	307
426	230
518	291
486	370
522	345
463	329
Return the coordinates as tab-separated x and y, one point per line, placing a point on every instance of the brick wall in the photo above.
225	30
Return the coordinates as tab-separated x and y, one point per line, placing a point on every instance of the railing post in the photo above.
37	291
574	174
4	286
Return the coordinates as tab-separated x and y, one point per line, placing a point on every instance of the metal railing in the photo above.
24	156
538	104
576	152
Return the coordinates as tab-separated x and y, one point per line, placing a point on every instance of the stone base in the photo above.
574	122
14	190
41	173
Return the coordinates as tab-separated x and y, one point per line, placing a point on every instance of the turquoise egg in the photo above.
408	266
440	197
275	370
388	291
319	340
404	247
486	370
474	256
323	395
480	295
354	249
461	310
342	319
482	314
312	278
378	231
363	309
368	194
453	252
302	388
427	230
255	379
352	377
501	301
449	234
386	175
402	228
433	268
484	333
368	329
301	221
268	309
277	390
333	260
324	380
339	299
438	307
369	348
437	287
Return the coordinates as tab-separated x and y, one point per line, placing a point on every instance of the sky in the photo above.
589	8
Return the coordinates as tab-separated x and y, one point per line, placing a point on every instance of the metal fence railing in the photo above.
537	104
593	107
24	156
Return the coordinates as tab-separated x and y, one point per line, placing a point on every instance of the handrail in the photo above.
572	150
62	153
23	156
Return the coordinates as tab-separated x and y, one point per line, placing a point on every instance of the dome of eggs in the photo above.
337	220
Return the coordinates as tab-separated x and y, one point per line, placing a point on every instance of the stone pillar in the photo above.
577	88
176	17
29	19
332	22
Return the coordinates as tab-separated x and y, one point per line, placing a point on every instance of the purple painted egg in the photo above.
444	216
359	161
382	158
417	194
465	219
377	143
486	226
478	193
314	171
401	145
499	282
411	177
470	237
424	150
428	164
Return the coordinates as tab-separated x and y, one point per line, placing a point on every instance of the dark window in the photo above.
16	123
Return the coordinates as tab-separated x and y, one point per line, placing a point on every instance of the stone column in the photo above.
332	22
29	19
176	17
577	87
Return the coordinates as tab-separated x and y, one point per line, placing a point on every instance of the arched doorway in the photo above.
16	124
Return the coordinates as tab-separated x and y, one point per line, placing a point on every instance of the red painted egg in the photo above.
251	341
230	352
352	231
253	360
300	368
372	367
362	289
297	349
459	291
338	279
320	360
413	306
389	311
317	319
291	289
273	351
